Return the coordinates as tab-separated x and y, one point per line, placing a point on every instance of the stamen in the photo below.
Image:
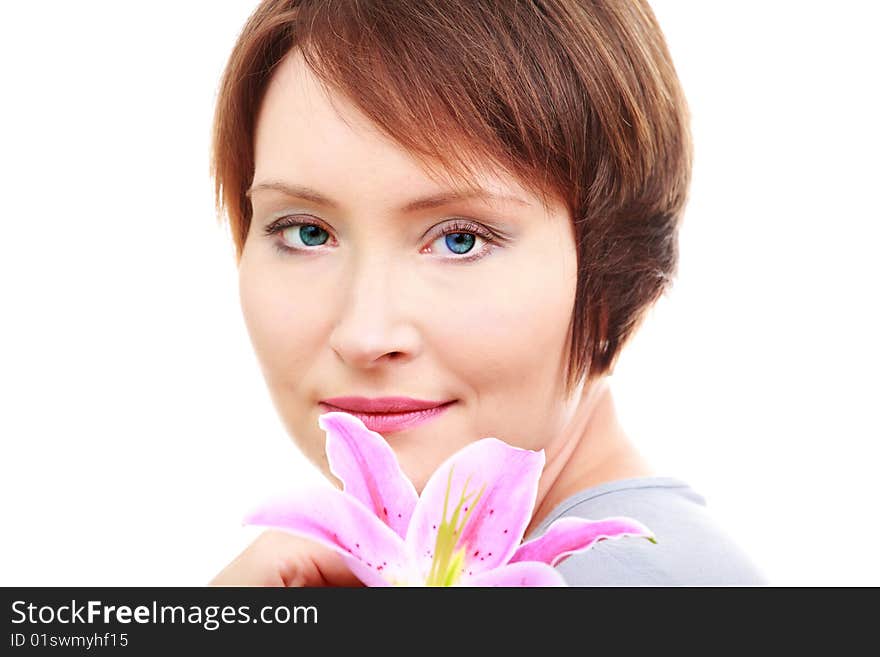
448	562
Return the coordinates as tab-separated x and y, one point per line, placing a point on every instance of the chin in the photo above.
418	472
418	478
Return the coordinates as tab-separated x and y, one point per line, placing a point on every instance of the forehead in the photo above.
310	135
298	103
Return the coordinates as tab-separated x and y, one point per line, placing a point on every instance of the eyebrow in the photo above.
424	203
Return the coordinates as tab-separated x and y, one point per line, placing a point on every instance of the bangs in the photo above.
459	102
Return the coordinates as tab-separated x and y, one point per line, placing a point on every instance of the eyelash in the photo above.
456	226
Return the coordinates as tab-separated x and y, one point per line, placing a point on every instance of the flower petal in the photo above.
368	469
524	573
368	576
497	522
343	524
569	535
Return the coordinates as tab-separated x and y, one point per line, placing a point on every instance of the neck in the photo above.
591	449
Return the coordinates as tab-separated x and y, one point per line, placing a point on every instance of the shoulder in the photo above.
691	549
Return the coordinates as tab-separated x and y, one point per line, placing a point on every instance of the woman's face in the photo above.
372	299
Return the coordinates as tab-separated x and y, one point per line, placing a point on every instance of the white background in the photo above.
136	428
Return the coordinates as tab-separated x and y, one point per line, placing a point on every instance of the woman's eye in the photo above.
297	236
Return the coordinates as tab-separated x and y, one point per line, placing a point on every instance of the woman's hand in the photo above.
277	558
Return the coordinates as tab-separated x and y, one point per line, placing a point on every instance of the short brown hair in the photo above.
577	99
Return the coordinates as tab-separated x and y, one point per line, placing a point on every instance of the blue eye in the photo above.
460	237
460	243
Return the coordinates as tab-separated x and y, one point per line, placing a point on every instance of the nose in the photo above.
374	325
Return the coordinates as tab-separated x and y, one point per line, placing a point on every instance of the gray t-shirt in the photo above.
691	549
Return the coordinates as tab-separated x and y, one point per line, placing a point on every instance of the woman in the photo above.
473	204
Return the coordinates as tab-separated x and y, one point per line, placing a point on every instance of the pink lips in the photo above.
387	414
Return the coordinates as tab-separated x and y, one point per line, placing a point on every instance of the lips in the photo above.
382	404
388	414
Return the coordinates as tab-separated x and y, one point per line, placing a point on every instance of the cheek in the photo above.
511	331
509	348
283	320
286	330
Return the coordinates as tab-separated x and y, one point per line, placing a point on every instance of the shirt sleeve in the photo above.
691	549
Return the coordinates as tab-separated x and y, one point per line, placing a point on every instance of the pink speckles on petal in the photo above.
366	575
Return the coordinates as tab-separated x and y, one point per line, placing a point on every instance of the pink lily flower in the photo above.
464	530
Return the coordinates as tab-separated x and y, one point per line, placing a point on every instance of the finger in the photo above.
305	563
